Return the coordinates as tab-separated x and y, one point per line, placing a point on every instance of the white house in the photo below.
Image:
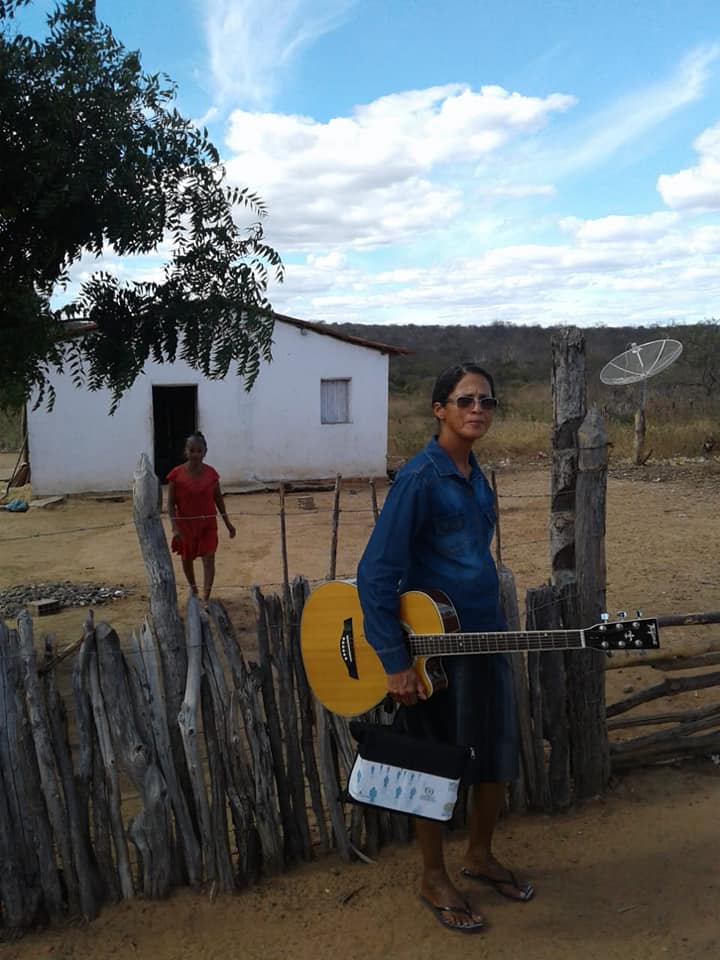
319	409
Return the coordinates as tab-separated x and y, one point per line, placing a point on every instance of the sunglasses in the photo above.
467	403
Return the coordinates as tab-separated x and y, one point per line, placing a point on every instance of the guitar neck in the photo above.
454	644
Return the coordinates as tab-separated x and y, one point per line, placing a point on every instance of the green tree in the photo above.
95	158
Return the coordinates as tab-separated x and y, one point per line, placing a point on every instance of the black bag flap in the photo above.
383	744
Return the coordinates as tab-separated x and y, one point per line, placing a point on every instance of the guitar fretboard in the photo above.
450	644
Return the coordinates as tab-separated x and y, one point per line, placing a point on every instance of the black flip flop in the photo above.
440	914
527	891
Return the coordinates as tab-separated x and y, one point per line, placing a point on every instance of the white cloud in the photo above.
697	187
251	45
627	270
392	170
210	114
632	117
642	227
518	191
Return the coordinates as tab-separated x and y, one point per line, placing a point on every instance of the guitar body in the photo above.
344	671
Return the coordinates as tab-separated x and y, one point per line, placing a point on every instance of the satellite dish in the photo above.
637	365
640	362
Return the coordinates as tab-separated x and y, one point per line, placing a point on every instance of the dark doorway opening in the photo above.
174	419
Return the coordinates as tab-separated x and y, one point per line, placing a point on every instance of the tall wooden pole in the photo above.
335	524
162	589
639	437
586	668
569	407
374	501
283	545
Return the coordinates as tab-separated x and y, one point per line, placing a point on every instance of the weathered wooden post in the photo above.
145	665
149	829
546	671
29	879
45	756
189	726
525	787
283	543
639	435
248	688
577	530
586	668
374	500
291	831
163	599
335	524
569	407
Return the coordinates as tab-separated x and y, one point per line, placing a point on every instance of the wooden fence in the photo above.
104	812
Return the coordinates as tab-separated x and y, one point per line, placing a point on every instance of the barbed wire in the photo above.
165	519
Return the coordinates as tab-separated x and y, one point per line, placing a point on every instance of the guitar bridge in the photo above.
347	649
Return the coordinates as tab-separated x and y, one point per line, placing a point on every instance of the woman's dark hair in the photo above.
448	380
197	436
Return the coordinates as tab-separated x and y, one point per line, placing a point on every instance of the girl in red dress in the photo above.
194	496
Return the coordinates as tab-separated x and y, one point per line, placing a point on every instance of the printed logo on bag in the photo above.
429	793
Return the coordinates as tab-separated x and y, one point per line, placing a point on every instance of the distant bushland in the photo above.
683	404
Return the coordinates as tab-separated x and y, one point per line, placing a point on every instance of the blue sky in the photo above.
460	161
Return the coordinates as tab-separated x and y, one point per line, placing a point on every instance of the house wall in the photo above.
273	432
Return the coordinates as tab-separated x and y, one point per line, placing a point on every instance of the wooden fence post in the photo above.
45	756
145	665
283	542
188	722
569	404
306	707
291	832
248	687
526	784
586	668
577	532
106	752
150	829
335	523
374	500
238	782
639	434
547	706
29	879
163	601
280	618
89	881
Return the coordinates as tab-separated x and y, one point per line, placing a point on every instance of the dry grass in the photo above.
523	426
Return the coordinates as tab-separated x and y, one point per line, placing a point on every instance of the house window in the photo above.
335	401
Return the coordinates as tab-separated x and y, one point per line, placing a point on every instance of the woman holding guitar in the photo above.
434	533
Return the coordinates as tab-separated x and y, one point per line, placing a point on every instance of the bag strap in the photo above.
424	729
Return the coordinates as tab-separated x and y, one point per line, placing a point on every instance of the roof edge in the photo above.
326	331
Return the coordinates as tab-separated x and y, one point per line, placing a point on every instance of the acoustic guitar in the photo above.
348	678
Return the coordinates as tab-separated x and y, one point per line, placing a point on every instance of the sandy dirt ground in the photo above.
635	875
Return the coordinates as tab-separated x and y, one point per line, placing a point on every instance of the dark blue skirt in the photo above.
477	710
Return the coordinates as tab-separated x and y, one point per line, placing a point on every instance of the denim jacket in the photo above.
434	532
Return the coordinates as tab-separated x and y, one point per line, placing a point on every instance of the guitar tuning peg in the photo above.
621	614
604	617
638	613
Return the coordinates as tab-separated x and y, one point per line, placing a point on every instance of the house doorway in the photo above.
174	419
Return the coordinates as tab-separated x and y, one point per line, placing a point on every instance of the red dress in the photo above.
195	499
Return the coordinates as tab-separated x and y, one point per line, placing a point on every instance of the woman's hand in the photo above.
406	687
230	529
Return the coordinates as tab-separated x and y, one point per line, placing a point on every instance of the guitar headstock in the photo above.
634	633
